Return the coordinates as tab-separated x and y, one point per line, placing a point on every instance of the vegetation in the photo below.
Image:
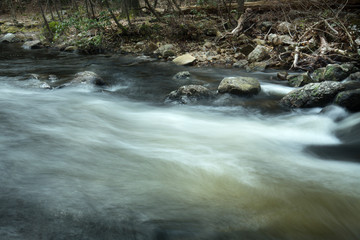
321	31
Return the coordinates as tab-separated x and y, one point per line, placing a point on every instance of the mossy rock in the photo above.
349	100
299	80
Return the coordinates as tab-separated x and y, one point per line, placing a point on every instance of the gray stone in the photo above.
282	75
185	59
162	50
257	66
355	76
285	27
32	44
242	86
182	75
258	54
240	64
299	80
9	37
333	72
88	77
349	99
312	95
280	39
189	94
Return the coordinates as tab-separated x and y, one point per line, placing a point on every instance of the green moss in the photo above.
9	29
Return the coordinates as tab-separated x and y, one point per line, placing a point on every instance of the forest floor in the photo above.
282	37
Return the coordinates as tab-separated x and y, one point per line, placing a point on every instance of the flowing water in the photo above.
81	162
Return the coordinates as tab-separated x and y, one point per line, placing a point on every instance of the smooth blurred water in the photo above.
116	163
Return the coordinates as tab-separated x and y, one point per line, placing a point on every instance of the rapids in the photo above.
118	163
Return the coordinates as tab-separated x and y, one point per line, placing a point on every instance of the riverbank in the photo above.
321	49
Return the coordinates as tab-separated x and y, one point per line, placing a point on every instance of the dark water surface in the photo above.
117	163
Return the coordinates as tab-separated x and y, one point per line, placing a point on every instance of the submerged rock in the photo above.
189	94
242	86
312	95
88	77
349	99
182	75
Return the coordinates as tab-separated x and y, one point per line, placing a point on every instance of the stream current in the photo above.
81	162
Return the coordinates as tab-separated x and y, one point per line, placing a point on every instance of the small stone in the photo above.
242	86
282	75
70	49
258	54
182	75
32	44
240	64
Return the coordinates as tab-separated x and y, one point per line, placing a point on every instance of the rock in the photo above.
258	41
266	25
188	94
207	45
242	86
182	75
312	95
280	39
240	63
282	75
36	44
355	76
299	80
357	41
257	66
150	48
88	77
333	72
185	59
258	54
285	27
9	37
245	49
349	99
45	86
70	49
165	50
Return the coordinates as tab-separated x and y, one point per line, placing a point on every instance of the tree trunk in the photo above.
46	22
119	25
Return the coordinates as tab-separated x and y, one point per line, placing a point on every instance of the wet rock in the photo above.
45	85
285	27
189	94
349	99
9	38
334	112
185	59
257	66
355	76
258	54
333	72
312	95
240	64
36	44
299	80
88	77
182	75
282	75
242	86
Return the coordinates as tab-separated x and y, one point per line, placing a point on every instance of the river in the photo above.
81	162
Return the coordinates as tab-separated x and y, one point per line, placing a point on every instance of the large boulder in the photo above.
242	86
333	72
185	59
312	95
349	99
258	54
88	77
189	94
